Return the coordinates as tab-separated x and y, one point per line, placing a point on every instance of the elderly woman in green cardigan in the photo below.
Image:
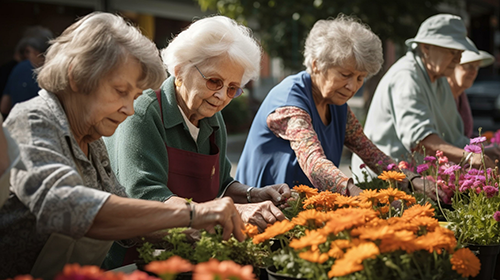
174	147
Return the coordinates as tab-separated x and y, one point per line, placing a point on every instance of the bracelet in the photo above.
191	212
248	194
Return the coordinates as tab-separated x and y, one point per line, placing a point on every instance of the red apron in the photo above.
193	175
190	175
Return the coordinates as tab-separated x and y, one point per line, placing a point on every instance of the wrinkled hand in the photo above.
352	189
491	154
276	193
260	214
430	188
219	212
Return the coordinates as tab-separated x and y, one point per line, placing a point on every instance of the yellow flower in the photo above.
306	190
392	175
465	263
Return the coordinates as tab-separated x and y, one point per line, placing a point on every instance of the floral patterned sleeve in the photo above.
295	125
356	141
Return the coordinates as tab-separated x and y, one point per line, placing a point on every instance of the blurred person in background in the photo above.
66	204
21	84
413	107
462	78
301	127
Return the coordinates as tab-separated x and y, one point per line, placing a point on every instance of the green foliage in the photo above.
472	218
283	25
207	246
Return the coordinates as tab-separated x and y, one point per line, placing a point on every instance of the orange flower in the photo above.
336	251
323	201
312	238
373	233
401	240
314	256
273	230
251	230
88	272
369	195
441	238
351	262
306	190
418	210
310	215
24	277
387	194
423	221
351	201
465	263
488	135
173	265
223	270
347	218
392	175
409	199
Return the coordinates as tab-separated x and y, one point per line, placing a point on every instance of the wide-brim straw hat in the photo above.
485	58
443	30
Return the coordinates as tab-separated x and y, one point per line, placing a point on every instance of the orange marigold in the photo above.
306	190
344	267
392	175
351	262
273	230
465	262
222	270
173	265
323	201
418	210
310	215
251	230
311	238
314	256
373	233
386	194
350	201
369	195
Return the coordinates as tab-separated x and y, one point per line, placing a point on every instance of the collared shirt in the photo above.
57	190
137	149
407	107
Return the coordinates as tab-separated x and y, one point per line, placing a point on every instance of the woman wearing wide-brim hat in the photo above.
462	78
413	108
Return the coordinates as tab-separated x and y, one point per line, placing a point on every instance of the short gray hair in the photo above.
333	42
213	38
94	46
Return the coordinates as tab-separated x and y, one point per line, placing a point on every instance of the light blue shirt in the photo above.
407	107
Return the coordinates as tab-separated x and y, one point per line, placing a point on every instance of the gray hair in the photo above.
333	42
213	38
94	46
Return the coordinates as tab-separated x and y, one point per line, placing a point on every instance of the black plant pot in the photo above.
487	255
273	275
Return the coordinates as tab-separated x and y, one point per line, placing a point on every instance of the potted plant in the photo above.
341	237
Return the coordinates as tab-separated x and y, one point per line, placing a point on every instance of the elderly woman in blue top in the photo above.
66	204
413	105
174	147
299	131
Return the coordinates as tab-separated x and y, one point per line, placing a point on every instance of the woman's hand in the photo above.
429	189
219	212
260	214
278	194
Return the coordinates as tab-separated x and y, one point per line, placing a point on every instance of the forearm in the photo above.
433	143
123	218
237	192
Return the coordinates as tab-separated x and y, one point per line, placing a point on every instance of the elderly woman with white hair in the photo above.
301	127
66	205
462	78
413	108
174	147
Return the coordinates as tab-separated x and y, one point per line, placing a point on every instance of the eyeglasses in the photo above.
216	84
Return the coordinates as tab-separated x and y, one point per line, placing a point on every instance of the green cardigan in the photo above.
139	157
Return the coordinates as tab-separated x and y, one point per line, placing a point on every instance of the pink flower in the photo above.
497	216
490	191
403	165
430	159
451	170
422	168
442	160
439	153
362	166
391	166
478	140
472	149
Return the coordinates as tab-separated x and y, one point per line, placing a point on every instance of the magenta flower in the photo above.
490	191
472	149
497	216
391	166
478	140
430	159
422	168
362	166
451	170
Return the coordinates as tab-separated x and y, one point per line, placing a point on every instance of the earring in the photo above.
178	82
